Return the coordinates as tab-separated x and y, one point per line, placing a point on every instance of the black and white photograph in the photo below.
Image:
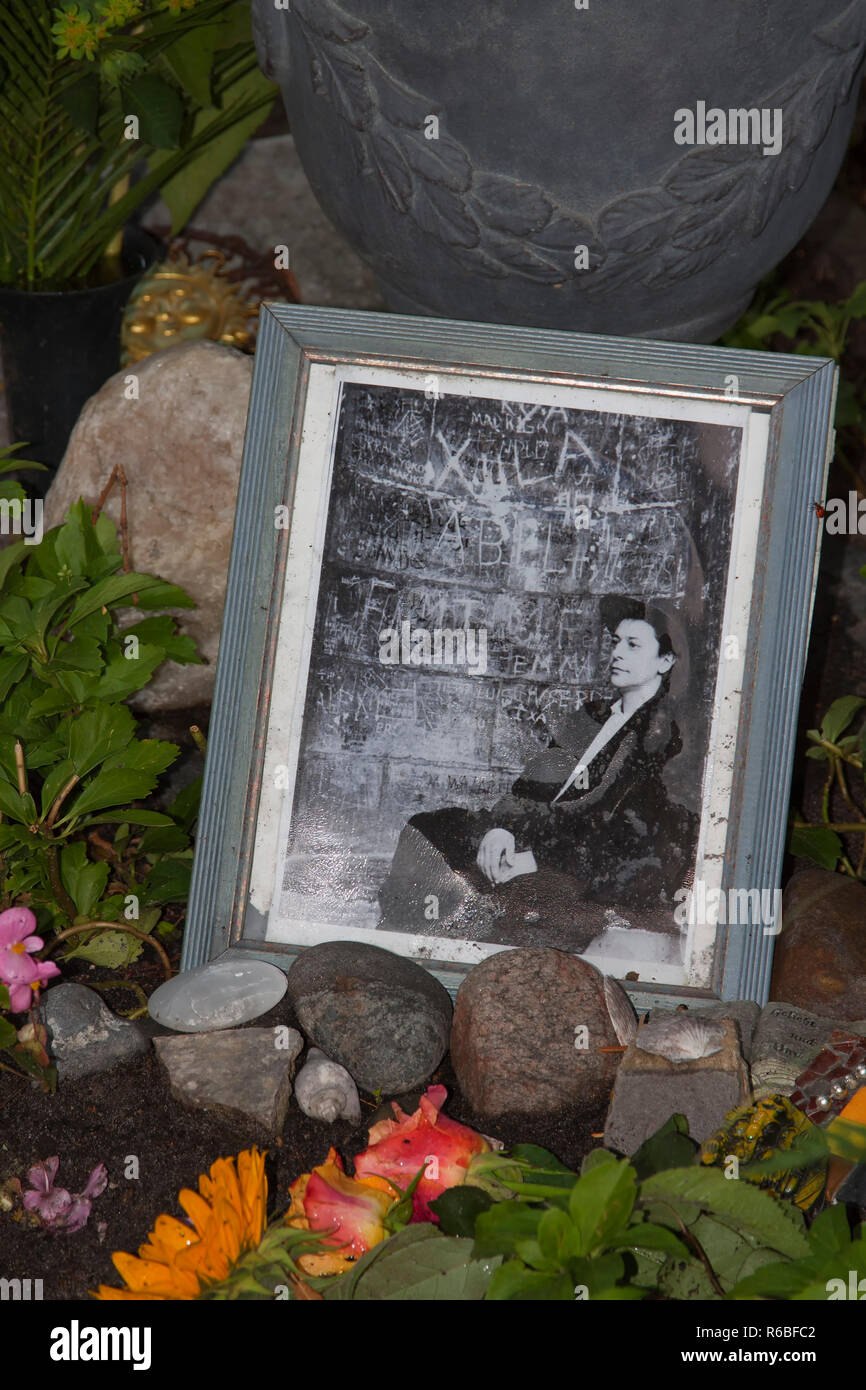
512	675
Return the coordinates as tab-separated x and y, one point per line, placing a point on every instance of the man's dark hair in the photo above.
616	609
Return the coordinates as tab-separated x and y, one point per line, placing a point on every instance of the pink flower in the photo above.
352	1209
429	1140
55	1206
18	970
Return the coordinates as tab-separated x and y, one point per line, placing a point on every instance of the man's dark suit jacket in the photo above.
621	835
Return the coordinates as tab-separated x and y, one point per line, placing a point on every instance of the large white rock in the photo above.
220	994
180	444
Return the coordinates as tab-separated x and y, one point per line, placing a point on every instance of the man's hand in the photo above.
497	845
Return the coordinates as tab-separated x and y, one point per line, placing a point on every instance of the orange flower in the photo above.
354	1210
178	1261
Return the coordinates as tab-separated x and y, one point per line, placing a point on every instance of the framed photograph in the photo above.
514	636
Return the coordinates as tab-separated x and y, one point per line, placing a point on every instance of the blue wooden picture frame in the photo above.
785	404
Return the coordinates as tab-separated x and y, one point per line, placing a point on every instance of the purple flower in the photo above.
56	1207
18	969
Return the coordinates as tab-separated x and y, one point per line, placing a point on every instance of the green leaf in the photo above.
111	949
124	675
732	1253
151	755
540	1158
234	25
59	776
97	733
162	632
185	807
78	653
400	1214
601	1203
8	1032
11	804
686	1281
164	839
46	1076
829	1233
75	546
159	594
183	192
669	1147
778	1225
807	1278
595	1158
132	814
817	843
11	556
457	1209
190	58
84	881
125	776
513	1281
500	1230
80	101
159	109
418	1265
113	787
856	304
13	667
558	1240
111	590
645	1235
53	701
839	716
5	1002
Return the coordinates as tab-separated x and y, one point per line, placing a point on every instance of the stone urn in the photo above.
608	168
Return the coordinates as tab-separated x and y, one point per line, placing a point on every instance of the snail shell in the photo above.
325	1091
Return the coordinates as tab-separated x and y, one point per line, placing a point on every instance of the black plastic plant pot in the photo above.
58	349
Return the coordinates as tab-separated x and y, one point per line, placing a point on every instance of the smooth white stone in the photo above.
218	995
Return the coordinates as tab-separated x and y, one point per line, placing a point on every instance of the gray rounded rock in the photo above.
220	994
84	1036
381	1016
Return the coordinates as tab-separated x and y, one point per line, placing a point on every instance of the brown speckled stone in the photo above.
820	956
514	1032
180	444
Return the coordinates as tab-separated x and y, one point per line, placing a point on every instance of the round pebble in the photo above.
220	994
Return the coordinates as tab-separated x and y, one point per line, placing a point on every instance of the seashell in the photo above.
681	1038
325	1091
619	1006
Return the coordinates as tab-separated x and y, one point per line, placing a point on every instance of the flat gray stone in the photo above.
244	1072
381	1016
84	1036
220	994
649	1089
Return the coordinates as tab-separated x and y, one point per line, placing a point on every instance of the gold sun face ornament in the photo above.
181	300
